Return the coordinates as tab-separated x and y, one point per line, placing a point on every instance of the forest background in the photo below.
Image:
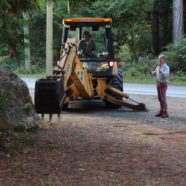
141	30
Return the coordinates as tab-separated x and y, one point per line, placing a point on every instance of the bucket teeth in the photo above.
50	117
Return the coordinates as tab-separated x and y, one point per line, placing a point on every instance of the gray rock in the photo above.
16	107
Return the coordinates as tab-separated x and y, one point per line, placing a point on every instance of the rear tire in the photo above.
115	81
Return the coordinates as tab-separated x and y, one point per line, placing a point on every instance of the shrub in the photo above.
9	63
176	55
124	53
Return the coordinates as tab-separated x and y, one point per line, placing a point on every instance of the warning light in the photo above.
111	63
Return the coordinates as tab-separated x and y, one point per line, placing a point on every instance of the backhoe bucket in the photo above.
48	94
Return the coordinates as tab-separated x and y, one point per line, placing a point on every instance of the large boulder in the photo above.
16	107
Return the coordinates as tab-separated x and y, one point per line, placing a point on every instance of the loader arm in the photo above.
77	81
70	81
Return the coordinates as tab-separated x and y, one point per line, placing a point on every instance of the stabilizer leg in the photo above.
137	106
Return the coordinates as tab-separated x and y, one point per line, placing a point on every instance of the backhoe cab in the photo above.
102	62
80	76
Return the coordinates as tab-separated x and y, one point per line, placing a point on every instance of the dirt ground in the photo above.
94	146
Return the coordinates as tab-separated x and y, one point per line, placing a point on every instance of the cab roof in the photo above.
87	21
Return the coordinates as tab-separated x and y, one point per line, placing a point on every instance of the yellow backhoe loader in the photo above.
78	76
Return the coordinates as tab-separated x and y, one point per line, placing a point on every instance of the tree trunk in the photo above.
184	16
155	28
177	20
166	17
26	43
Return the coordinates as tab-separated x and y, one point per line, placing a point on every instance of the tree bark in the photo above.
184	17
166	17
177	20
26	43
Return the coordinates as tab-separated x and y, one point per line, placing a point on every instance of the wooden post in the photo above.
49	37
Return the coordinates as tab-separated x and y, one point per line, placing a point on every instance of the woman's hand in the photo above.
149	69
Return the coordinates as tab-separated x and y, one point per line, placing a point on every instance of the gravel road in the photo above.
91	145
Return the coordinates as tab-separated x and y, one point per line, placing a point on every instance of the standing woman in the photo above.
161	73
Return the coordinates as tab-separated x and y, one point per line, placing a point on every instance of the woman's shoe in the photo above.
159	114
164	115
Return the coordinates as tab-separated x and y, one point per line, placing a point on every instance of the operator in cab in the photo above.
87	47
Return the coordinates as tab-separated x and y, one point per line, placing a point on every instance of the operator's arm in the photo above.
80	46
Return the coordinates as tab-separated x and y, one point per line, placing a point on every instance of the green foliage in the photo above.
124	53
36	128
11	19
176	56
38	32
143	39
137	70
178	78
9	63
11	29
131	27
139	40
130	21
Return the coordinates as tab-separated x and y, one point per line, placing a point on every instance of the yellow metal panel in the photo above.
68	66
74	92
88	83
63	61
78	62
81	81
100	89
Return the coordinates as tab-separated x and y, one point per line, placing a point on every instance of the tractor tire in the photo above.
115	81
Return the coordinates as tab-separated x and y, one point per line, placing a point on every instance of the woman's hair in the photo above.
162	56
